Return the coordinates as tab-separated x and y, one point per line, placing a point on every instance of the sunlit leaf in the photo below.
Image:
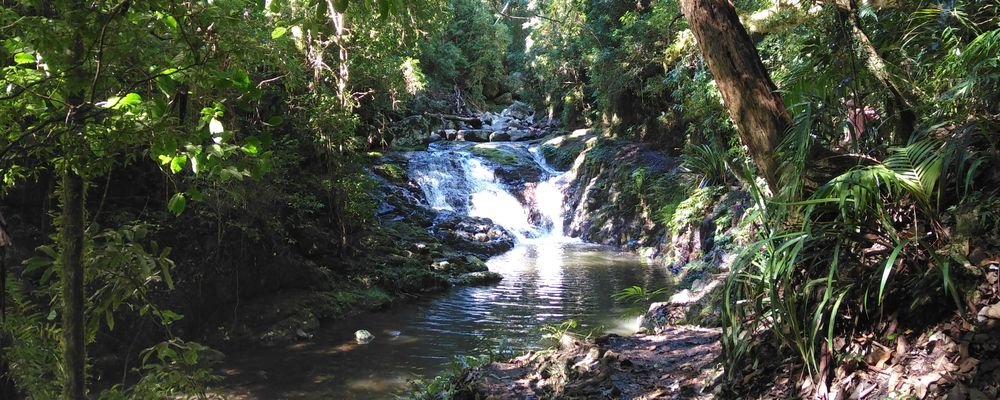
215	126
129	100
252	145
24	58
177	164
278	32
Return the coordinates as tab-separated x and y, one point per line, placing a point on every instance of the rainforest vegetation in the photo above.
174	171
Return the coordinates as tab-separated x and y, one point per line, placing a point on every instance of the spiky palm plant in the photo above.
845	247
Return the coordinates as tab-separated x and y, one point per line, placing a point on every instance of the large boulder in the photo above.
517	135
474	135
478	236
500	137
697	305
411	132
518	110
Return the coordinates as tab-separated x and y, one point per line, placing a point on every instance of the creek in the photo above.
548	279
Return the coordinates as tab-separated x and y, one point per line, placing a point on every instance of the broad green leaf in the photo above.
177	204
177	164
275	120
278	32
190	357
195	194
252	145
129	100
24	58
215	150
171	22
241	79
231	172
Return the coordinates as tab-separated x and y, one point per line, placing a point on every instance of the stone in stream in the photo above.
363	336
477	278
499	137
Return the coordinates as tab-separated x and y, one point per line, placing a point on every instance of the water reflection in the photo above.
545	282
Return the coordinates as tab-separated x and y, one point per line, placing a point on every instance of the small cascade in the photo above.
455	179
550	194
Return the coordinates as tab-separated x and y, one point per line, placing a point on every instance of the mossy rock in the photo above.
392	172
561	151
477	278
414	280
495	155
474	264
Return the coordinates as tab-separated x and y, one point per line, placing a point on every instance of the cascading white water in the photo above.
454	179
549	194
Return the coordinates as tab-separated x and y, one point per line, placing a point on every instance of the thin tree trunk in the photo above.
74	351
747	90
74	345
906	119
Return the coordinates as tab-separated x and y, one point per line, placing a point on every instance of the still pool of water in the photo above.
546	282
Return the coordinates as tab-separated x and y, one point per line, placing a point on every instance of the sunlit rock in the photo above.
363	337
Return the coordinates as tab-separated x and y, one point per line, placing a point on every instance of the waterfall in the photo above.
453	178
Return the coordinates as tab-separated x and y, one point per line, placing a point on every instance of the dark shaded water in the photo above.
546	282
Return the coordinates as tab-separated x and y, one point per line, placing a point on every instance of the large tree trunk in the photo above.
747	90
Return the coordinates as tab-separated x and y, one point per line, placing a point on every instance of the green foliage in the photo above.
639	298
170	368
707	162
393	172
452	383
217	95
692	209
469	53
123	268
33	353
813	272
